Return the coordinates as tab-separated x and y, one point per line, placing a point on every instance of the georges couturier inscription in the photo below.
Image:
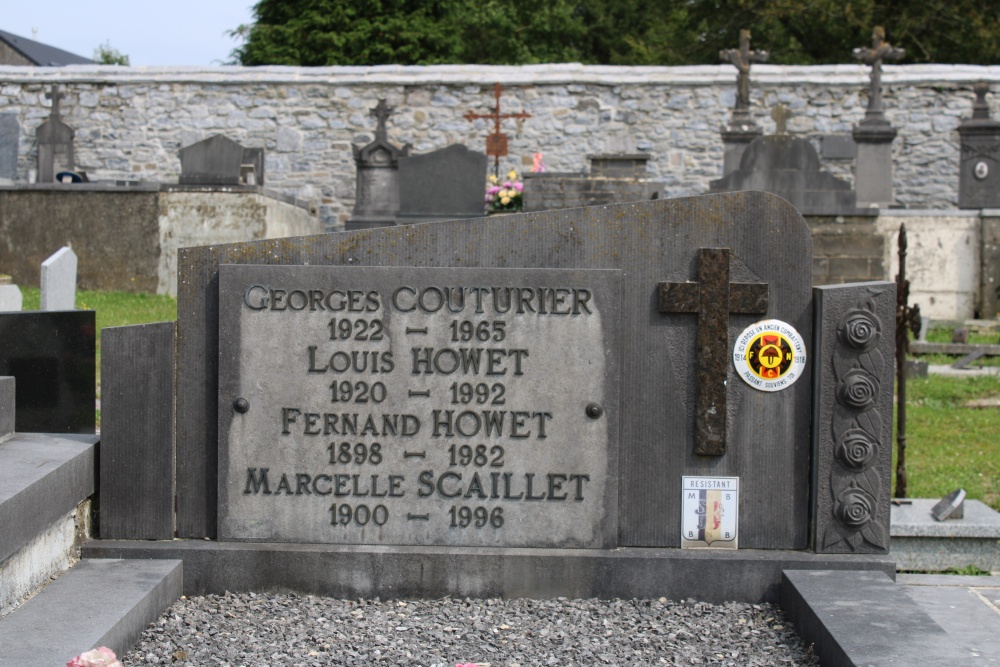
382	405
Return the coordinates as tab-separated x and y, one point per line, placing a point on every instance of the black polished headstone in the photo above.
52	357
10	135
444	185
214	161
979	170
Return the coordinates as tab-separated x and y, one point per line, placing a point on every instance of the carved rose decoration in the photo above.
854	507
855	449
861	329
858	389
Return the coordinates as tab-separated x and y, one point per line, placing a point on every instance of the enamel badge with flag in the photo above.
710	513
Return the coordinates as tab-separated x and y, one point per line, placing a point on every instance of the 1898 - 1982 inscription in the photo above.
473	407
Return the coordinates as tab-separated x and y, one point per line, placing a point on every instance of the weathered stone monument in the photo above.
741	129
11	298
446	184
789	167
376	199
55	142
979	171
874	134
10	135
616	401
219	160
58	280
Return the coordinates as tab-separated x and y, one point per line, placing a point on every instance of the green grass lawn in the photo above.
949	445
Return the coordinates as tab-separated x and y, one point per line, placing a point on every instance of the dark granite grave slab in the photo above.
446	184
53	357
10	135
651	242
214	161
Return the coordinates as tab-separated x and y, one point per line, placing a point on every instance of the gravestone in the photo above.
214	161
10	136
55	143
52	357
446	184
613	401
979	171
253	161
376	202
58	283
874	134
789	167
11	298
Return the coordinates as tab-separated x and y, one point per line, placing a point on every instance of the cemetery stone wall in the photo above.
131	122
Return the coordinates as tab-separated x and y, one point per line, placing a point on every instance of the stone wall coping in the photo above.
929	213
156	187
565	73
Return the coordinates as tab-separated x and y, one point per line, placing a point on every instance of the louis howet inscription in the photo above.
471	407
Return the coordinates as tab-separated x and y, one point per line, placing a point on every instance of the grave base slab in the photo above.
352	572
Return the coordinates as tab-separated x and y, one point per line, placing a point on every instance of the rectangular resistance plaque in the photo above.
417	406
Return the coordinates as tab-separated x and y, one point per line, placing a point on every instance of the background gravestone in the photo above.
979	170
442	185
58	284
376	201
10	136
214	161
55	143
11	298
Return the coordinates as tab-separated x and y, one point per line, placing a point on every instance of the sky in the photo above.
172	32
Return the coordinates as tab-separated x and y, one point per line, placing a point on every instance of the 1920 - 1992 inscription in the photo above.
467	407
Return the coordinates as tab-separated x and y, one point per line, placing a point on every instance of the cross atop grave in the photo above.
712	299
382	111
55	95
781	114
742	58
880	50
496	143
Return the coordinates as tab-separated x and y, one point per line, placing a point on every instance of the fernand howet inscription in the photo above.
406	406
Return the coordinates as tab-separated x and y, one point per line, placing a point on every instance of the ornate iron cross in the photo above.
496	143
712	298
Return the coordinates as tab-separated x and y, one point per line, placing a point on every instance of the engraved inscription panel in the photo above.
414	406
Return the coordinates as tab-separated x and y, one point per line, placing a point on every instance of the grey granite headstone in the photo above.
649	242
11	298
443	185
55	143
58	284
852	423
8	386
402	406
376	202
979	170
214	161
10	137
789	167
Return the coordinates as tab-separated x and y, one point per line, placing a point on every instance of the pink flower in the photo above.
537	165
508	185
99	657
519	186
493	189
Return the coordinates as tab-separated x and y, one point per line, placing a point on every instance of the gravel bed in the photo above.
287	629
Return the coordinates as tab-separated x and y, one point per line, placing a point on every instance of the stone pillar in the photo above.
979	172
735	139
989	272
873	175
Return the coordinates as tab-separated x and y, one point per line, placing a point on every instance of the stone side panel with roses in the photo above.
852	417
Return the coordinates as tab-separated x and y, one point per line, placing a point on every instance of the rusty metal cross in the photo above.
712	299
496	143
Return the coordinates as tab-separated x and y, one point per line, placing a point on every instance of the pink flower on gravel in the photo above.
99	657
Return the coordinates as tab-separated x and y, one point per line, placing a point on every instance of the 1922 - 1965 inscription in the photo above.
411	406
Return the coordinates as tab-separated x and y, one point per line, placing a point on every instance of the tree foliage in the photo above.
105	54
615	32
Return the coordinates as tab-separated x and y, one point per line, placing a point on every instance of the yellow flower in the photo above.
494	180
504	193
505	200
512	175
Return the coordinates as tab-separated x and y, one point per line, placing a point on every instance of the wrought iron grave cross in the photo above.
879	51
712	299
742	58
496	143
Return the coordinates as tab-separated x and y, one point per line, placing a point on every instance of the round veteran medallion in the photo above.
770	355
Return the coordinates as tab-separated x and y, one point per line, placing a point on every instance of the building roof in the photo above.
42	54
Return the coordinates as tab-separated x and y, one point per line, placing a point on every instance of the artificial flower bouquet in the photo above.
99	657
507	196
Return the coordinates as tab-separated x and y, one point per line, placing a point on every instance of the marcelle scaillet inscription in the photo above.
414	406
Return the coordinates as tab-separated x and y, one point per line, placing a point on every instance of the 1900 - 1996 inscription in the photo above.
472	407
